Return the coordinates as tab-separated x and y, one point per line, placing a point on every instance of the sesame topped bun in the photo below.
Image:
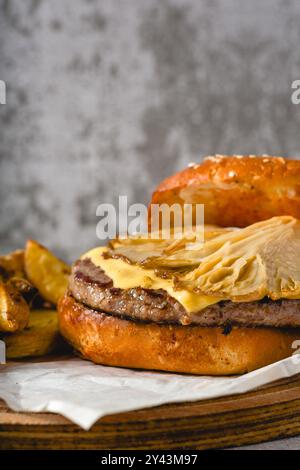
236	190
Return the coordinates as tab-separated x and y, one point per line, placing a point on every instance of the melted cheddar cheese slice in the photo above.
241	265
127	276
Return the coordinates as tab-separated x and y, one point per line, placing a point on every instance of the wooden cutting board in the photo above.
268	413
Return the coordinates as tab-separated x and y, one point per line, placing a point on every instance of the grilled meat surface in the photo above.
92	287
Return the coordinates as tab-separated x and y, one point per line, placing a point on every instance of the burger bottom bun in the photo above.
110	340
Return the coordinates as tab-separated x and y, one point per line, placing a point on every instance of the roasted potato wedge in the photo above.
12	271
14	310
45	271
28	291
30	294
41	337
12	265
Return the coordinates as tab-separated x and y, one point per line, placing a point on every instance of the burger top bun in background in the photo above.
236	190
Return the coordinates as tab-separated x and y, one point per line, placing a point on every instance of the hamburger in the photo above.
224	305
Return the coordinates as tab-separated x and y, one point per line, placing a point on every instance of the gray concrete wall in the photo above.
107	97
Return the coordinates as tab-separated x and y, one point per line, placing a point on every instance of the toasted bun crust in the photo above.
237	191
105	339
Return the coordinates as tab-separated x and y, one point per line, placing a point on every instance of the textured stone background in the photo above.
107	97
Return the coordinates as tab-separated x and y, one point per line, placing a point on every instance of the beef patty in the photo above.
92	287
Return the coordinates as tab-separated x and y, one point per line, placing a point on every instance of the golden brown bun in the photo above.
109	340
237	191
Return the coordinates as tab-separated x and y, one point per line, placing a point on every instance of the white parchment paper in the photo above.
84	392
